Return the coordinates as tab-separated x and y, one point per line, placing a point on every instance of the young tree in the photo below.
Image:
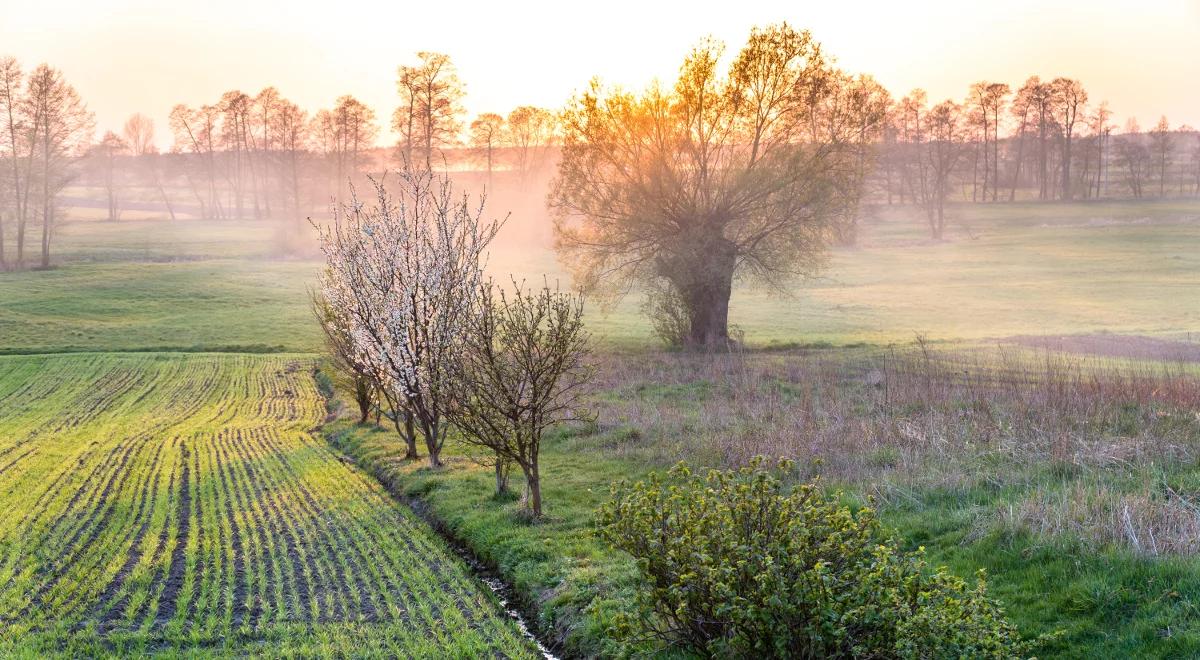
401	273
349	373
430	110
719	176
522	371
486	133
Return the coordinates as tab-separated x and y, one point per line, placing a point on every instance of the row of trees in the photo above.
1044	137
262	156
411	320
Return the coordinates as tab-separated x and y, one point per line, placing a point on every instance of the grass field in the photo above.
1006	269
181	504
1062	500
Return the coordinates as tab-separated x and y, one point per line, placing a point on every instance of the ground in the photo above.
956	455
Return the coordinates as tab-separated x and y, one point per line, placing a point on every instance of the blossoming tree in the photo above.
401	275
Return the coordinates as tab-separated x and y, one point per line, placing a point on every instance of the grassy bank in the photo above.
566	582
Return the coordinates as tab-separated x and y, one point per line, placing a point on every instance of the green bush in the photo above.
736	564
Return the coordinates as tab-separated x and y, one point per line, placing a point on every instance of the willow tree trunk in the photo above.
703	276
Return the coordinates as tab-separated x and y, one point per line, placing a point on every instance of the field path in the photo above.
182	502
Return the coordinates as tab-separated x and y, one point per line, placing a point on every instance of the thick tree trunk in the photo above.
702	274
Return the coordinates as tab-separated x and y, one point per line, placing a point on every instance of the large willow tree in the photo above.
745	173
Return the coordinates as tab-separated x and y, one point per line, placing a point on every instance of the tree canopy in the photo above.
742	172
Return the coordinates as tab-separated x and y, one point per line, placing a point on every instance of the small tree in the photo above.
523	371
402	274
351	376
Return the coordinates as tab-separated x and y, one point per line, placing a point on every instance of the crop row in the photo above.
182	501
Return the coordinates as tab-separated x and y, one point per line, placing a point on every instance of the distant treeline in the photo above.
262	156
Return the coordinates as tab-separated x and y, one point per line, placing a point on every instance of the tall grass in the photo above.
1089	445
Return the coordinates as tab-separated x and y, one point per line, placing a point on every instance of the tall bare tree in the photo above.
287	133
197	130
944	146
1134	157
530	134
857	108
106	152
11	132
267	103
719	176
1161	145
139	134
1098	125
63	128
987	100
487	132
1042	100
1070	100
344	135
429	115
1023	112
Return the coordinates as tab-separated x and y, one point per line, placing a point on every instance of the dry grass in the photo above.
1081	437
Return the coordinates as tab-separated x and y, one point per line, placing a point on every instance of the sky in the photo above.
127	56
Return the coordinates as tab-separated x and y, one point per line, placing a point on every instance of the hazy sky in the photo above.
146	55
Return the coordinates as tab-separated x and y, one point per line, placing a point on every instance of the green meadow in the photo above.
1073	493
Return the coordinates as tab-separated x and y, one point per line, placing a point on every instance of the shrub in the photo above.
736	564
